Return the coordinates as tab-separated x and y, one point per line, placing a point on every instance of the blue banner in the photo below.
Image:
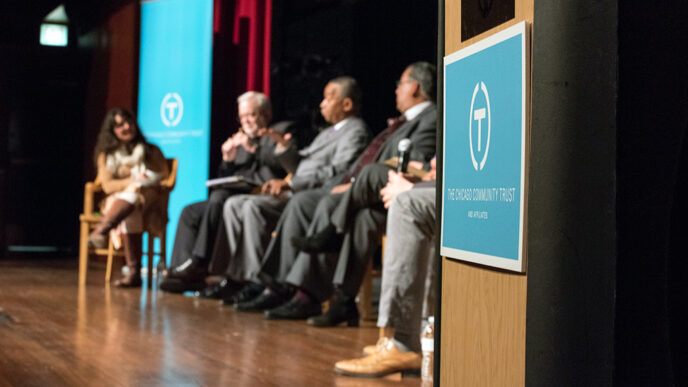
174	92
484	151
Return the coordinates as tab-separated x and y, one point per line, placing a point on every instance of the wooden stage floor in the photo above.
53	333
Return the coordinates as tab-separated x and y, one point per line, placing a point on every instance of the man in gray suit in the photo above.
249	219
312	273
406	267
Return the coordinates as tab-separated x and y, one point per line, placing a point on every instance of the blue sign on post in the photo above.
484	174
174	92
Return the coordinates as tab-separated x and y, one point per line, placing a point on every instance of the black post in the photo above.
438	190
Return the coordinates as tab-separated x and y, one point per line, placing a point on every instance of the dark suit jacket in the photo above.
420	130
259	167
360	207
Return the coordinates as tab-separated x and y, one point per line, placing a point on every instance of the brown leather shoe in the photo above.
386	333
369	350
386	360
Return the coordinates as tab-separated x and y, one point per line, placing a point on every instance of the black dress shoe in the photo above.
191	270
318	242
339	311
176	285
225	289
267	300
295	309
247	293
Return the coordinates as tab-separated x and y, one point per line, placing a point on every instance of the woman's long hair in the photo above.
108	141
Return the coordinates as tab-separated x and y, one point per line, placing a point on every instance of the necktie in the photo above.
368	155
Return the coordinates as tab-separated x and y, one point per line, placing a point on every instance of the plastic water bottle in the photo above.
427	344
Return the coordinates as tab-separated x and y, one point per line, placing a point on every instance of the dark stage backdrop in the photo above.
373	41
40	131
53	99
312	41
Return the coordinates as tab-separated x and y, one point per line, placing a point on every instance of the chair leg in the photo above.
108	268
150	256
162	260
365	294
162	263
83	252
383	243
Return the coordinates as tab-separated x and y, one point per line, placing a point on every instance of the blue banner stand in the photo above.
174	93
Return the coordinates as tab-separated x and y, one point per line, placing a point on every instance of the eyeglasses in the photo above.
399	82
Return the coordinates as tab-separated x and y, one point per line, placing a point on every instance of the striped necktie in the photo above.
370	152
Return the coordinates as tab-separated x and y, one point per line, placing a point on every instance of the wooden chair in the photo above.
156	228
365	293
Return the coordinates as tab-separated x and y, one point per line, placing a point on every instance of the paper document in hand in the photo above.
231	181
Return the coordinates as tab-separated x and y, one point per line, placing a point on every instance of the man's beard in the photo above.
252	134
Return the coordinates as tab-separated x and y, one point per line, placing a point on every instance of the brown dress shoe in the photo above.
385	360
369	350
386	334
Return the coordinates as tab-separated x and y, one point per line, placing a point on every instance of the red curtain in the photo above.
252	31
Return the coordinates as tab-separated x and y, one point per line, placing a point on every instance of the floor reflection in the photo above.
100	334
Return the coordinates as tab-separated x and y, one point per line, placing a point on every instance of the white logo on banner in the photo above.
479	115
171	109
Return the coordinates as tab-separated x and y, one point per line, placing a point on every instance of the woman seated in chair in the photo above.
130	170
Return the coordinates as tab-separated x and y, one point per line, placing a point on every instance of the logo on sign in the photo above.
481	123
171	109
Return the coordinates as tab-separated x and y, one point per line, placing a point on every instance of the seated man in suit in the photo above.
249	219
411	230
249	154
284	265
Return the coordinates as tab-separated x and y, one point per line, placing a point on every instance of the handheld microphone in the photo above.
404	149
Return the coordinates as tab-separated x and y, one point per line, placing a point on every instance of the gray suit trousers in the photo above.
280	254
364	193
197	228
411	232
249	221
313	272
359	245
360	216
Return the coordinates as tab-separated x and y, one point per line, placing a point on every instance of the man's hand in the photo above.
396	184
274	187
283	140
432	175
229	149
230	146
244	141
415	164
340	188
